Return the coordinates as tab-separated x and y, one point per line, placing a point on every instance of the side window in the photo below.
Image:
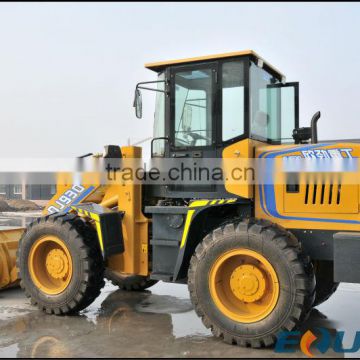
232	100
265	120
274	108
278	102
288	112
193	108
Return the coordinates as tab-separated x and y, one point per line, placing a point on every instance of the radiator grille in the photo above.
322	194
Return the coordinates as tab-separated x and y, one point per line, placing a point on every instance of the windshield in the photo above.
272	107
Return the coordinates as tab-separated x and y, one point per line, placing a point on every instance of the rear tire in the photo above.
325	284
60	264
129	282
272	248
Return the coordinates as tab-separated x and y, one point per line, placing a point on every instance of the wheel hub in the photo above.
247	283
57	264
244	285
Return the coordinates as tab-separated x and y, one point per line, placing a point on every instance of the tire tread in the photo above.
288	245
93	277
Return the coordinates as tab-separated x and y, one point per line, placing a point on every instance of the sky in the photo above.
68	70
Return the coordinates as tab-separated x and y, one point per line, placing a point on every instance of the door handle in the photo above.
197	154
180	155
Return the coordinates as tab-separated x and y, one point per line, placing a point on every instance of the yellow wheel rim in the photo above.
244	285
50	265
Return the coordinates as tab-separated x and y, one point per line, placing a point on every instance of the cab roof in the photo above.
160	65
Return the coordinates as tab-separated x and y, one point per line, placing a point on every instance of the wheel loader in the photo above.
256	257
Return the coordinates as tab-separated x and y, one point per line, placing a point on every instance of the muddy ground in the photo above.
160	322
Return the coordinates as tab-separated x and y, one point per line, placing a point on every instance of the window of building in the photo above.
17	189
52	189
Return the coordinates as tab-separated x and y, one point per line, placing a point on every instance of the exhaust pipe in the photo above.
314	134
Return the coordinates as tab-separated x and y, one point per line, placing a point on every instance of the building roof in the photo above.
160	65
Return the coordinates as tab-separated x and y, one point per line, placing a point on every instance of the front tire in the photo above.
60	264
248	281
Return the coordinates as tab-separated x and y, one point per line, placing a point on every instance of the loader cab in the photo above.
210	102
205	104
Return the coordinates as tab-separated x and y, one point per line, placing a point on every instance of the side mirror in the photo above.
138	104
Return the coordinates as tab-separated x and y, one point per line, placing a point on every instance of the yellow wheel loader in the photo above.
256	256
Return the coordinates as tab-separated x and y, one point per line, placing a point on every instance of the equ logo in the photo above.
287	341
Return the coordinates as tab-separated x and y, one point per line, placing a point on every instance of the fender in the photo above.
194	228
108	227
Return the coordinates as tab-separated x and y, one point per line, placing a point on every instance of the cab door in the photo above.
193	111
193	119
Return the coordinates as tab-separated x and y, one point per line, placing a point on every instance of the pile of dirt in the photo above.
22	205
7	205
4	206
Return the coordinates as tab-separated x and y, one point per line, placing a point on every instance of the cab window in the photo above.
232	99
193	108
273	110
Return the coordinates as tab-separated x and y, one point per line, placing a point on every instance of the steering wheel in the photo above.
195	136
181	142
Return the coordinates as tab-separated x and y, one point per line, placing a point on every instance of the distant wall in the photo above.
29	192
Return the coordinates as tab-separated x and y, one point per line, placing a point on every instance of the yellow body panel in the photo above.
324	201
128	198
318	194
243	151
320	203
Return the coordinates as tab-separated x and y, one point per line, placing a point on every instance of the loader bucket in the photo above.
9	240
